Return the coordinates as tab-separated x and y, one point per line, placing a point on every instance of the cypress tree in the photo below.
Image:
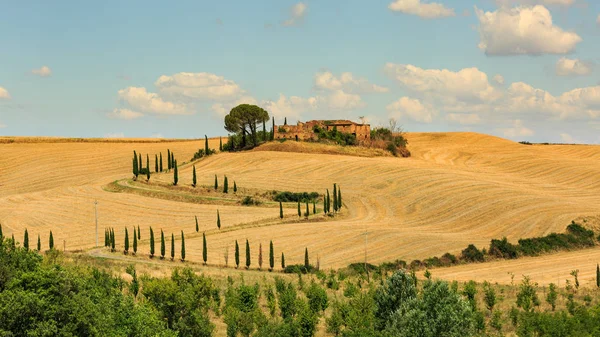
172	160
597	275
204	249
135	164
196	223
106	237
134	241
307	212
26	240
220	144
264	132
282	261
156	163
39	245
112	240
216	183
140	166
280	210
172	247
273	130
126	241
306	264
168	160
151	243
234	187
247	254
285	121
314	207
194	176
148	167
237	255
162	244
299	212
161	163
271	255
206	149
260	260
182	247
339	199
225	185
218	220
1	236
335	203
51	241
175	173
139	233
328	202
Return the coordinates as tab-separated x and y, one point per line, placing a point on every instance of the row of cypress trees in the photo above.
26	240
337	204
138	167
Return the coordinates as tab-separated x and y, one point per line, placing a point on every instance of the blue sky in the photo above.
519	69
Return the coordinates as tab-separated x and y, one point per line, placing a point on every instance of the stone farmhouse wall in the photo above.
305	131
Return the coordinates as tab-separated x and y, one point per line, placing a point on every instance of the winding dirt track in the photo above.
457	189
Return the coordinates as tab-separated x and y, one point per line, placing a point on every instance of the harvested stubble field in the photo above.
456	189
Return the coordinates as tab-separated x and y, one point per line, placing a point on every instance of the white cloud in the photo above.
292	106
157	135
124	114
412	109
340	100
223	108
43	71
297	13
463	119
567	138
347	82
420	8
523	30
141	100
499	79
4	93
510	3
572	67
518	130
198	86
115	135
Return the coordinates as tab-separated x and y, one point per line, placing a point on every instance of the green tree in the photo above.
397	289
552	295
51	241
247	254
175	173
327	202
339	199
135	165
273	129
260	257
216	183
172	160
168	159
237	255
162	244
206	149
597	275
147	167
285	121
225	185
1	236
26	240
280	210
151	243
39	244
306	262
243	120
527	298
197	228
155	163
134	241
271	256
314	207
194	176
218	220
182	247
489	296
306	212
139	233
234	187
160	162
335	203
470	291
112	240
126	241
220	144
105	237
282	261
140	166
172	247
299	212
204	248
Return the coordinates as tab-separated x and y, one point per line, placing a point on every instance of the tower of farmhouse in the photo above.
305	131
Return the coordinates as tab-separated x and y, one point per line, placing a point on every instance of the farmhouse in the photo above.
306	131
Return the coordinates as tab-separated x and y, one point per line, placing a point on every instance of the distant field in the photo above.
456	189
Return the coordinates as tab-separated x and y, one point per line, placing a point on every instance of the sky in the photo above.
526	70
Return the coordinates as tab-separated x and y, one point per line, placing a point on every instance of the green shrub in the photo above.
298	269
249	201
302	197
472	254
503	249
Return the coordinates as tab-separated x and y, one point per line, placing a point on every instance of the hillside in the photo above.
456	189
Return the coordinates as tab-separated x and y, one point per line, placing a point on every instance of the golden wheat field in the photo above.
456	189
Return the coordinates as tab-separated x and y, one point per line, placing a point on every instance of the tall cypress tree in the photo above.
175	173
151	243
273	130
196	223
225	185
299	212
162	244
280	210
134	241
26	240
147	167
105	237
139	233
271	255
126	241
328	202
172	247
161	163
220	144
140	166
194	176
247	254
135	168
218	220
172	160
285	121
234	187
204	248
339	199
260	260
306	264
112	240
216	183
335	198
39	245
51	241
307	212
237	255
314	207
182	247
206	149
597	275
168	159
264	137
155	163
282	261
1	235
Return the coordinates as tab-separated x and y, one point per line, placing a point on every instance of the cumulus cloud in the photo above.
141	100
510	3
412	109
292	106
4	93
499	79
523	31
347	82
422	9
463	119
198	86
44	71
297	14
126	114
518	130
572	67
223	108
340	100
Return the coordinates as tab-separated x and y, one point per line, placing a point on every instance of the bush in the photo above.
503	249
303	197
249	201
472	254
298	269
202	153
